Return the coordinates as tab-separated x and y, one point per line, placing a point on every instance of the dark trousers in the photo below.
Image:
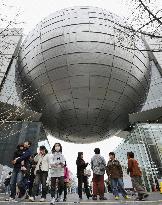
65	190
41	177
83	179
16	177
60	185
98	185
31	182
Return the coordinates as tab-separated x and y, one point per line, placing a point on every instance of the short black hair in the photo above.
30	143
97	151
112	153
42	147
130	154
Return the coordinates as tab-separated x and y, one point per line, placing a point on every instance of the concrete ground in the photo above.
154	199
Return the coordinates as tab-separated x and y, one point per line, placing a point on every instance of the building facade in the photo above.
146	142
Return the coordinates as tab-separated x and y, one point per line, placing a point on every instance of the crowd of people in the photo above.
32	170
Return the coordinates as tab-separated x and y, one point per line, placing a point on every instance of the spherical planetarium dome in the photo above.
84	70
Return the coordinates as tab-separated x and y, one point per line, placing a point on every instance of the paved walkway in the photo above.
154	199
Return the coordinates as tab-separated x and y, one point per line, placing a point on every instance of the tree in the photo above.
146	17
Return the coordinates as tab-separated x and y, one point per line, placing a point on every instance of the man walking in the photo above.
98	165
24	159
135	174
17	174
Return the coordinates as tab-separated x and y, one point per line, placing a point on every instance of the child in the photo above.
41	173
57	163
135	174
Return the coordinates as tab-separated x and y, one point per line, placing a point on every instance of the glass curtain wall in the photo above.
145	141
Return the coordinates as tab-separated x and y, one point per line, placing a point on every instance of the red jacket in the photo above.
133	168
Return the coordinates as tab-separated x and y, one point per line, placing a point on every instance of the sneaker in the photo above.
64	199
116	197
103	198
127	197
53	201
145	195
11	200
42	199
94	197
138	198
60	199
31	198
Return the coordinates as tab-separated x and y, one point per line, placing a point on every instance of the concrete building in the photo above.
17	123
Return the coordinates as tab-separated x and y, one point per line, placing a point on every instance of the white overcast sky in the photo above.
33	12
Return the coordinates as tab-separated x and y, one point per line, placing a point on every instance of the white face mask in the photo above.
57	148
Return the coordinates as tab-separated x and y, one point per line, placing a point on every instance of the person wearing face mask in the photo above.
41	173
57	163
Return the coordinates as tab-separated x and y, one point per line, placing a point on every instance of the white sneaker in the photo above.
60	199
42	200
12	200
53	201
31	198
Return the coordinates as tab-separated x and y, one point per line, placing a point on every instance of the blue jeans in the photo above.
117	184
7	189
15	178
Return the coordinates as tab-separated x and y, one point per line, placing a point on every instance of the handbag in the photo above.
87	172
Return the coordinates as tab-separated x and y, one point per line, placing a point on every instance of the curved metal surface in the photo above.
75	68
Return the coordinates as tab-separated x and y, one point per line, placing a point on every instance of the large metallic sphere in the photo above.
83	70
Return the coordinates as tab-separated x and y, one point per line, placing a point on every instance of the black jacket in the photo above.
81	165
17	153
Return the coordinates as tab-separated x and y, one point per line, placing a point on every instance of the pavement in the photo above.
153	199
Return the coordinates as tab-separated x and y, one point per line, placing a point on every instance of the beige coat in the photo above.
45	162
